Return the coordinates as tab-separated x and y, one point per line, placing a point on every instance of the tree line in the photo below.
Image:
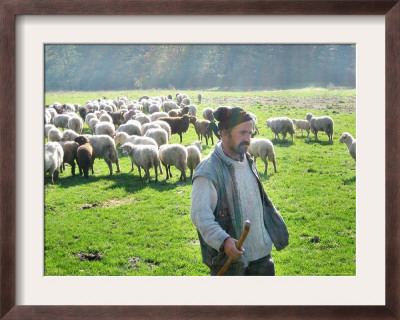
202	66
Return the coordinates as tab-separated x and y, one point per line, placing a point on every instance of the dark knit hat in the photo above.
229	117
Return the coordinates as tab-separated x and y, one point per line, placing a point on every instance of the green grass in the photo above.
142	229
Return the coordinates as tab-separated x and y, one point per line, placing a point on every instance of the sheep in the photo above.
178	125
174	155
144	156
348	139
129	128
199	97
93	123
53	156
128	115
117	117
75	124
61	120
105	127
47	128
90	116
156	115
105	117
193	110
324	123
104	147
281	125
169	105
154	108
178	112
164	126
193	156
185	101
54	134
52	112
69	135
47	117
123	137
208	114
142	118
70	148
158	134
85	155
254	127
263	148
203	128
303	125
147	126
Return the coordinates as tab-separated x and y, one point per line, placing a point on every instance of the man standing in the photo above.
226	192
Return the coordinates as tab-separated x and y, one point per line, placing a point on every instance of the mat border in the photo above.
10	9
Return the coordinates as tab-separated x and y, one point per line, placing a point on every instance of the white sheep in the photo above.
164	126
169	105
174	155
303	125
61	120
75	124
142	118
47	128
157	115
69	135
105	117
158	134
123	137
129	128
89	116
263	148
254	127
47	117
208	114
104	147
154	108
281	125
53	157
144	156
105	127
193	156
348	139
93	123
324	123
147	126
54	134
193	110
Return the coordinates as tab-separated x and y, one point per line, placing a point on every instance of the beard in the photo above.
242	147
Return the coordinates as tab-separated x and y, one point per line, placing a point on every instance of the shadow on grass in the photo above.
349	181
282	143
131	181
322	143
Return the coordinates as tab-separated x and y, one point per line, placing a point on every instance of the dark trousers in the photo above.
261	267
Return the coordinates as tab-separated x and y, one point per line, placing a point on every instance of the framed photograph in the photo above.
15	270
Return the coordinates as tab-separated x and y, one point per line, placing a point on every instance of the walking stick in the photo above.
238	246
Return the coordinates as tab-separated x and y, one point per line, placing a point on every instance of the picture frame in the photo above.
10	9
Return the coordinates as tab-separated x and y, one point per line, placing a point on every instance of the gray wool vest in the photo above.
220	172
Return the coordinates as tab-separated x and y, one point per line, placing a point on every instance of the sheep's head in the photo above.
344	137
82	140
192	119
127	148
309	116
268	123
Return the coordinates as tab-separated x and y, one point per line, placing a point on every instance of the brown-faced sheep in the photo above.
70	154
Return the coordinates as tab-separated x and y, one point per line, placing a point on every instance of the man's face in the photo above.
238	140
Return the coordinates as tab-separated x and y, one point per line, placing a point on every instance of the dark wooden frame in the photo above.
9	9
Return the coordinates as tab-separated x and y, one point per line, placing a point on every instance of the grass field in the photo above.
139	229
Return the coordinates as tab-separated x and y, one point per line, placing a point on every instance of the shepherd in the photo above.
226	192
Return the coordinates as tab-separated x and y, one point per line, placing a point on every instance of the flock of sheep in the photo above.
143	128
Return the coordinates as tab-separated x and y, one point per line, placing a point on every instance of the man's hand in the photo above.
231	250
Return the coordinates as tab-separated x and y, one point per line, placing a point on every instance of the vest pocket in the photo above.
225	220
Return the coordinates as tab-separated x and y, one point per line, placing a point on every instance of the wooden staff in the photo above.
238	246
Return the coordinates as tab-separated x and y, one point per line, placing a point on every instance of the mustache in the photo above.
244	143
